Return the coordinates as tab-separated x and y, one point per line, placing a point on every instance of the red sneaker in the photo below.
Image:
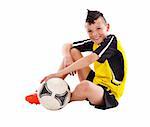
32	99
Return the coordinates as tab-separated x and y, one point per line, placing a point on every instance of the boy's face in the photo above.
97	31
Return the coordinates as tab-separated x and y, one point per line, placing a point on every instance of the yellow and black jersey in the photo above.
110	68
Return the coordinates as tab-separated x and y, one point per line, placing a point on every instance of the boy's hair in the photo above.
93	15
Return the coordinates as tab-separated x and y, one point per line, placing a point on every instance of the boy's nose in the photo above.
95	34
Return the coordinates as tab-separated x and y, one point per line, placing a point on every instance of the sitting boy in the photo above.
104	86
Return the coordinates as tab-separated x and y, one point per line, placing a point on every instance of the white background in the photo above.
32	33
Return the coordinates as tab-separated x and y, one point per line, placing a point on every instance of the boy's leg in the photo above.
82	73
88	90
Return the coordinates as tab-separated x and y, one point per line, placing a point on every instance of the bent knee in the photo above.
75	53
85	85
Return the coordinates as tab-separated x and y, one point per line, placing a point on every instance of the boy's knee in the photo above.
82	89
75	52
85	86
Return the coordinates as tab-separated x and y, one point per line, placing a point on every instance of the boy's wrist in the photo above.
67	55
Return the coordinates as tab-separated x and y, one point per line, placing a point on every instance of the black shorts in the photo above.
109	99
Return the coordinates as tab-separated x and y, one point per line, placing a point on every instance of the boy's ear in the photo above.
107	27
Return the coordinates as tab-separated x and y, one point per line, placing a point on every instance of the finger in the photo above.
46	79
43	80
72	73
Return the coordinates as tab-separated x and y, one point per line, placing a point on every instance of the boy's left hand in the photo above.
45	79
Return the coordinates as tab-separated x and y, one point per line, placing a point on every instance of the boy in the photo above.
104	86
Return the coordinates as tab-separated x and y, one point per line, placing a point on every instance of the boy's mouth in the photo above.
97	39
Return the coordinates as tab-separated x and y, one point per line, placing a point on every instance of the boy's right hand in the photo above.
67	62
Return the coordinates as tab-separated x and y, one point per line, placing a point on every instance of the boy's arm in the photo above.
79	64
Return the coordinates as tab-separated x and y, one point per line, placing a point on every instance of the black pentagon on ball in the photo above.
45	91
61	97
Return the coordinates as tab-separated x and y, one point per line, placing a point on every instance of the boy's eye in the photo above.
89	31
98	28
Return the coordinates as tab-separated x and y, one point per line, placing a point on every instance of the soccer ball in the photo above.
54	94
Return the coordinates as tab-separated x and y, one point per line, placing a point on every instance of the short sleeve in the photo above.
84	45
